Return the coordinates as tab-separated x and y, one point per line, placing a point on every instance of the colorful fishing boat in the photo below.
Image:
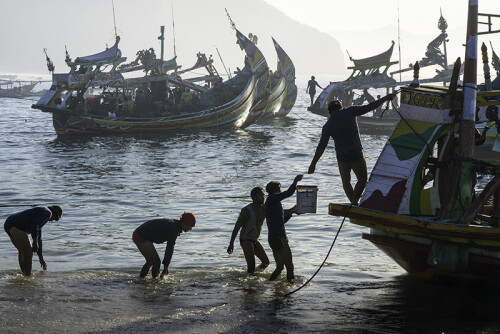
287	97
18	88
155	107
420	202
258	63
372	73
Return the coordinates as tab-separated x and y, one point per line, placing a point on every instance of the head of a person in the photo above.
334	105
258	195
57	212
188	221
273	187
312	77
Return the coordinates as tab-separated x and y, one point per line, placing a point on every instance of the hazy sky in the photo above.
366	15
363	27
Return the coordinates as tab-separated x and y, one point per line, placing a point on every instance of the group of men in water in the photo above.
341	126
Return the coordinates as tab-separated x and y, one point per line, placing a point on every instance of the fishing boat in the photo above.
420	202
372	73
284	89
218	104
258	64
18	88
259	67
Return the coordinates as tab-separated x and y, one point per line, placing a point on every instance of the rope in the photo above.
327	254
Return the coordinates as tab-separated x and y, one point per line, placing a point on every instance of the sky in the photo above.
362	27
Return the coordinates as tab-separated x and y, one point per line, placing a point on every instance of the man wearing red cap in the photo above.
342	126
159	231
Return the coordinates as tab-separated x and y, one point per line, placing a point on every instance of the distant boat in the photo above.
18	89
74	112
420	202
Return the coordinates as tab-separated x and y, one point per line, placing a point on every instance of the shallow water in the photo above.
109	185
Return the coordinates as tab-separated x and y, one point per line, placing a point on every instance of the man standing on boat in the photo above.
342	126
251	220
311	88
159	231
31	221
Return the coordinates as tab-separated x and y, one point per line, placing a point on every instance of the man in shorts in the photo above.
159	231
276	218
31	221
342	126
251	220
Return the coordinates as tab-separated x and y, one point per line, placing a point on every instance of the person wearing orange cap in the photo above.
159	231
342	126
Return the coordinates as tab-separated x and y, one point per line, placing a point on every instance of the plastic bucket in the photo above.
307	199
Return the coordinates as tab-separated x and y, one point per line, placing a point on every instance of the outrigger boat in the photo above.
219	104
420	201
373	73
18	88
258	63
283	87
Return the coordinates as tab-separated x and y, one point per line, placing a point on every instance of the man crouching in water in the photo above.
158	231
276	218
251	220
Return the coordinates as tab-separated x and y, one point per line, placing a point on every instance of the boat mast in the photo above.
399	46
162	39
462	184
114	19
173	26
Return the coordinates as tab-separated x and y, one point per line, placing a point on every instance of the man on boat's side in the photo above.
342	126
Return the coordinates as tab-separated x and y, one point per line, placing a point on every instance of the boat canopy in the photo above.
381	59
107	56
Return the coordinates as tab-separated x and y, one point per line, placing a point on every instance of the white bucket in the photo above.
307	199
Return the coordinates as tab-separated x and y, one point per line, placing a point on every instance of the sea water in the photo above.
109	185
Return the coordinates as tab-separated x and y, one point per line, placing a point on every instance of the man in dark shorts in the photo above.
251	220
159	231
342	126
311	88
276	218
31	221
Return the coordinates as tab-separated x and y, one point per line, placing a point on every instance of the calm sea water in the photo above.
111	184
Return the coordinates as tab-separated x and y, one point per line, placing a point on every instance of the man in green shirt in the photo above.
251	220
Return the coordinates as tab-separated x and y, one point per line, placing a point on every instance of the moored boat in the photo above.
287	70
420	202
18	89
155	107
371	75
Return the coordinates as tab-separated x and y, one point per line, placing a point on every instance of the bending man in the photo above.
30	221
158	231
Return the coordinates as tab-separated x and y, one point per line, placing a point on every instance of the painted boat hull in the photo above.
230	115
408	241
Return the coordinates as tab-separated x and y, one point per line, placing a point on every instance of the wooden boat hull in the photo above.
290	98
409	242
230	115
278	94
